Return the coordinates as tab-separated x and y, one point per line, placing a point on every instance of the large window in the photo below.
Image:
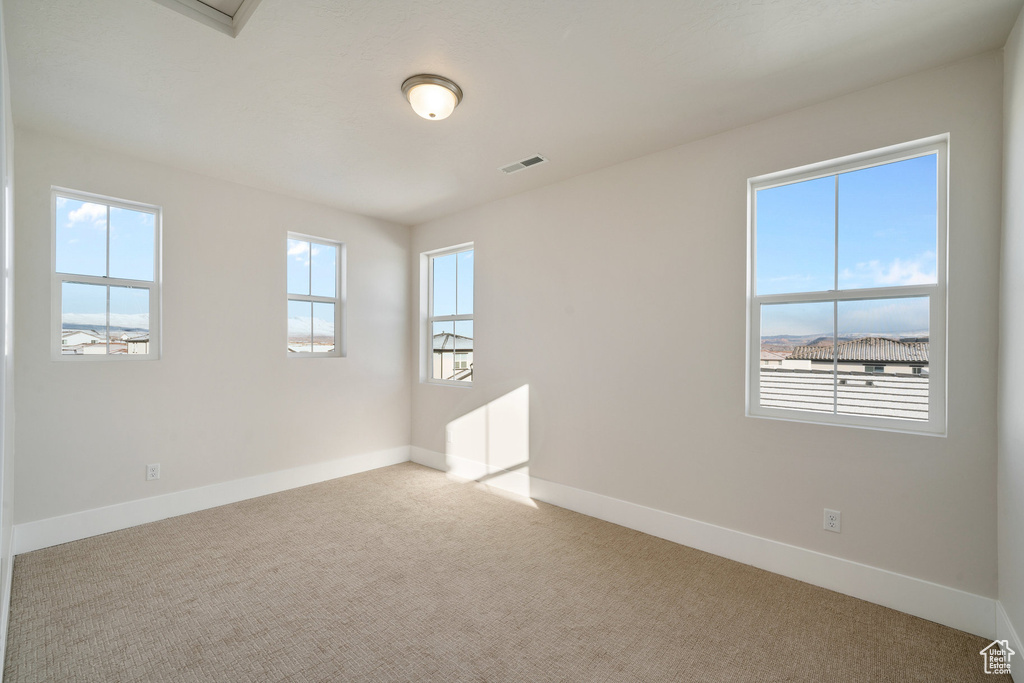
847	291
449	352
106	275
316	297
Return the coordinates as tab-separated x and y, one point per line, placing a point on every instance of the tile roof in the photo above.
868	349
446	341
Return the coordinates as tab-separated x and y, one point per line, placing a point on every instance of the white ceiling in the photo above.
307	100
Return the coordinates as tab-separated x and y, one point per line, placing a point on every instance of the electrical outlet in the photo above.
152	472
833	520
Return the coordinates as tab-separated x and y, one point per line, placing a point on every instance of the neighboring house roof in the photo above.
867	350
772	355
138	339
446	341
88	333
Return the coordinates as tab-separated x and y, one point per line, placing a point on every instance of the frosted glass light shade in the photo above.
432	97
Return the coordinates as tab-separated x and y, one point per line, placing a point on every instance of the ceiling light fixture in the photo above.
432	97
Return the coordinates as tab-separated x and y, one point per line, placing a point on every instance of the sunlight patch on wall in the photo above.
491	445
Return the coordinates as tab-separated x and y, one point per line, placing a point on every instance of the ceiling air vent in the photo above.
525	163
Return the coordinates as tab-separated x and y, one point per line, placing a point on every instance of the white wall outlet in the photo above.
833	520
152	472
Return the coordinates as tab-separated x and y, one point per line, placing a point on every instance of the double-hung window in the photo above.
847	285
106	278
449	352
316	297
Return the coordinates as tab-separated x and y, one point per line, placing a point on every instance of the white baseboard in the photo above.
958	609
55	530
428	458
1006	631
513	481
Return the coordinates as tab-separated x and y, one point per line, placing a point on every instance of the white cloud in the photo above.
919	270
90	214
790	278
298	248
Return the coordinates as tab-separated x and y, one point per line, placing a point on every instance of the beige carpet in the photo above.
402	575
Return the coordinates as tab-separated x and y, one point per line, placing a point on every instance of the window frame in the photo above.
57	279
427	267
937	293
340	300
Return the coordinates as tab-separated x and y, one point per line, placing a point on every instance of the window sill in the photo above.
924	431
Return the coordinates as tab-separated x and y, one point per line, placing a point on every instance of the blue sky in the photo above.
81	249
887	237
453	292
453	284
887	317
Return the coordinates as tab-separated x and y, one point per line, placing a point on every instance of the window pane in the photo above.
132	237
298	267
323	327
443	345
444	285
129	320
83	319
796	237
887	224
464	302
881	342
300	326
463	350
796	370
324	269
81	237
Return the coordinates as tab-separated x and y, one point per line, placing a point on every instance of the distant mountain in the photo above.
115	331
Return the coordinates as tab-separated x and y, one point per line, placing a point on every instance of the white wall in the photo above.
1011	334
619	298
224	401
6	338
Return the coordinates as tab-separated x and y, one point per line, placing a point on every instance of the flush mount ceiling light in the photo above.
432	97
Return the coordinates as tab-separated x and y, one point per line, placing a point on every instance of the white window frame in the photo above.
937	293
340	300
427	268
58	279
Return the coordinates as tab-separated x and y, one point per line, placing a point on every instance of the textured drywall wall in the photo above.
7	308
224	401
1011	333
619	298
